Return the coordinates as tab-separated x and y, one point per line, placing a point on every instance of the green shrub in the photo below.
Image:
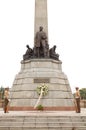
40	107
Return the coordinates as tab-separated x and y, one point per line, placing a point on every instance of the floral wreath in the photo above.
45	89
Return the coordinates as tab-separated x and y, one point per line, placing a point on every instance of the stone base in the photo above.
34	73
44	109
43	120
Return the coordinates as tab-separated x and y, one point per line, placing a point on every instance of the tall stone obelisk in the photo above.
41	15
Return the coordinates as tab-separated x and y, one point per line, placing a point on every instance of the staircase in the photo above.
36	122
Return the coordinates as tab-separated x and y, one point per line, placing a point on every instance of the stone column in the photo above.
41	15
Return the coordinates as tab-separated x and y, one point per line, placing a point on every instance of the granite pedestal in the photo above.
34	73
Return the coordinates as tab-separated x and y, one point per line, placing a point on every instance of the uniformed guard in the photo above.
6	100
77	100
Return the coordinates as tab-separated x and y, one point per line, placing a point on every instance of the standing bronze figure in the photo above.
41	47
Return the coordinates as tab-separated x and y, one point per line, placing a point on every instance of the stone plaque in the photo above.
41	80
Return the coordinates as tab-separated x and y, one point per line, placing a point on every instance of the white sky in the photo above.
67	30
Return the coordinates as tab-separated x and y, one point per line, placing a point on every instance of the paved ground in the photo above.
43	113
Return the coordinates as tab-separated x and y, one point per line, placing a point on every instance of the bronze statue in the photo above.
41	47
53	54
28	54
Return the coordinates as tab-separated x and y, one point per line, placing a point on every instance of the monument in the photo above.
41	79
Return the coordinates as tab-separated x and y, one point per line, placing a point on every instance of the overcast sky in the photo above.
67	30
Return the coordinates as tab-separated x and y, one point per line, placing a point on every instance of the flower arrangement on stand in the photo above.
42	90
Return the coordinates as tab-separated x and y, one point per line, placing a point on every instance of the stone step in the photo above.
42	122
41	128
42	119
38	125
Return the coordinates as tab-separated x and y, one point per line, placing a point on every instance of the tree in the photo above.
83	93
1	93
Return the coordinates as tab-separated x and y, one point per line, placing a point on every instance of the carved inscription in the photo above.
41	80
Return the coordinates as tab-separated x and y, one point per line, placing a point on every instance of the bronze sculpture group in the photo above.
41	47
